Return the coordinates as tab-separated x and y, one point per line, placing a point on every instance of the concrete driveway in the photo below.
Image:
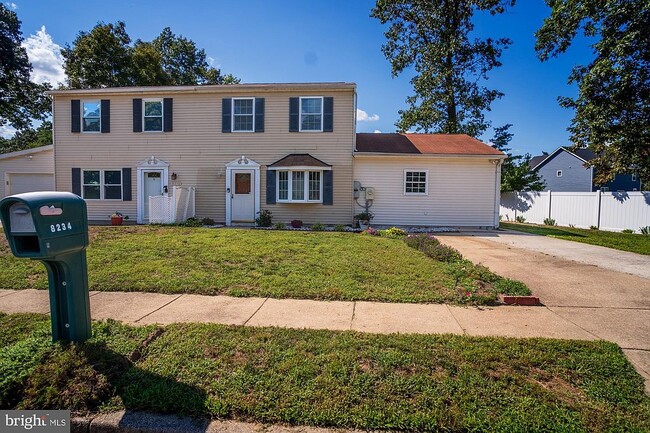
606	292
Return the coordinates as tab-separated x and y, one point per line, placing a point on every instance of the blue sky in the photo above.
334	40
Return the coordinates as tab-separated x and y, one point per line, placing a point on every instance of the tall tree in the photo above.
99	58
167	60
21	100
612	109
433	36
515	171
28	138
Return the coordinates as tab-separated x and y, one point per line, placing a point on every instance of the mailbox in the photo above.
53	227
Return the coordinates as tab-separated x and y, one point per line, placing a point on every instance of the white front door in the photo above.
152	186
242	196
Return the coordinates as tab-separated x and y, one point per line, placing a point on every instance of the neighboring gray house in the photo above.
564	170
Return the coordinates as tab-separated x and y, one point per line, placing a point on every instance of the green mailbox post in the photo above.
53	227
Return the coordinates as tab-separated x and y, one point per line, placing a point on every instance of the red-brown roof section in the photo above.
299	160
428	144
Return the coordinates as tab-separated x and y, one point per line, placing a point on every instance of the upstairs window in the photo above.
92	120
415	182
311	114
153	115
243	118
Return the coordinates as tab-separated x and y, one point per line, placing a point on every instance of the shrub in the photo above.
511	287
370	231
339	228
296	224
549	222
265	219
393	233
207	221
593	227
279	226
191	222
628	231
645	230
318	227
520	219
432	247
364	216
572	226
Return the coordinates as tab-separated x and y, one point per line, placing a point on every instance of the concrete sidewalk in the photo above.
376	317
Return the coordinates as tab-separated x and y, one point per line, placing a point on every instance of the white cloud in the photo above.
12	6
377	131
362	116
7	131
45	57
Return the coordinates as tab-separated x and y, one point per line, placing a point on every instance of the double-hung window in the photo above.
153	115
415	182
92	119
102	184
243	114
311	114
299	186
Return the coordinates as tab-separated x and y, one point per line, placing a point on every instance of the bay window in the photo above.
299	186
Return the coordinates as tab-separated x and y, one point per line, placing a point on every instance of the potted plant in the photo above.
117	219
364	219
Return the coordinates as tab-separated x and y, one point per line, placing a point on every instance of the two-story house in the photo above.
565	170
288	148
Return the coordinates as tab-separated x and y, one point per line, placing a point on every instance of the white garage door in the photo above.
28	182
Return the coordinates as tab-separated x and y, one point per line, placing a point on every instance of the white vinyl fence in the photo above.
614	211
174	208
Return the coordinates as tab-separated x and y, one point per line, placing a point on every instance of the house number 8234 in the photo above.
60	227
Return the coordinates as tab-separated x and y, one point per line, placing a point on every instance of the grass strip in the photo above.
342	379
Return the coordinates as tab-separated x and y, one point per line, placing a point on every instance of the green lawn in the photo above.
325	378
634	243
279	264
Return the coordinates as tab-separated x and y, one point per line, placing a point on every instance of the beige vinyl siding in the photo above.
197	151
461	190
40	163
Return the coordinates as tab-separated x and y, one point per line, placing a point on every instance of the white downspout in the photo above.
497	192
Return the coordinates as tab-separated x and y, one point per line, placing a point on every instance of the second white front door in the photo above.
152	186
242	196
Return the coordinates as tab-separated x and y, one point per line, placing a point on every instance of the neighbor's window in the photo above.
311	114
299	186
559	173
415	182
102	184
91	121
243	114
153	115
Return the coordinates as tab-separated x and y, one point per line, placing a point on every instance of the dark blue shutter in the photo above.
126	185
137	115
76	181
294	114
328	188
226	114
75	118
168	118
328	114
270	186
259	114
106	115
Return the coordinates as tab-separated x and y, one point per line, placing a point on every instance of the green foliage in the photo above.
21	100
435	39
549	222
612	114
432	247
593	227
364	216
515	171
279	226
520	219
265	218
318	227
191	222
628	231
207	222
393	233
511	287
105	57
339	228
28	138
